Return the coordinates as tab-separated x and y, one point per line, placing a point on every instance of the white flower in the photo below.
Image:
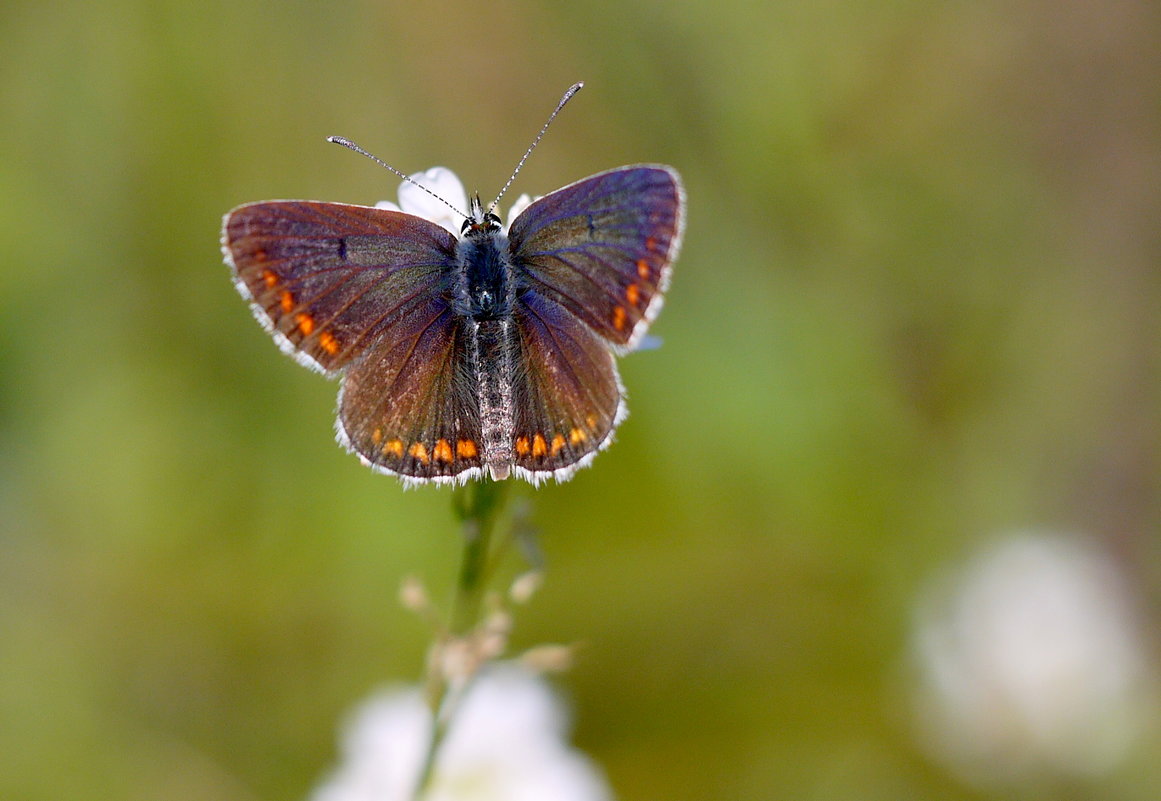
1032	661
442	182
445	183
506	743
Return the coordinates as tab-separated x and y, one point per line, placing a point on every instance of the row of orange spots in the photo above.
633	292
326	339
539	446
442	450
306	324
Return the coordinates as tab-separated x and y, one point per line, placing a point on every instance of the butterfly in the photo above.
493	351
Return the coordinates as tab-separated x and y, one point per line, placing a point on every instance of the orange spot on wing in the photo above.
376	436
557	444
643	269
522	447
327	342
539	446
258	255
286	300
577	436
619	317
466	449
419	451
305	323
632	294
443	451
591	421
393	447
270	278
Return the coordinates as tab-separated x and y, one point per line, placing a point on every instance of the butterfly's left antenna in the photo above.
572	90
347	143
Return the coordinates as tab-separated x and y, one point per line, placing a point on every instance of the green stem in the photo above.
478	506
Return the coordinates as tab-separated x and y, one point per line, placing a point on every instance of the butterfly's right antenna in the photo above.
572	90
347	143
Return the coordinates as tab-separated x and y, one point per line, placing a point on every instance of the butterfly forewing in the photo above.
327	277
603	247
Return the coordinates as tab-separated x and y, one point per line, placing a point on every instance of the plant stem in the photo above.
478	506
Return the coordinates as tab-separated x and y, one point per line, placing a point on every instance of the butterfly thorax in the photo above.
485	275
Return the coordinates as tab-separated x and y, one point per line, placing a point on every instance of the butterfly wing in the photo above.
364	292
591	262
568	394
409	407
604	247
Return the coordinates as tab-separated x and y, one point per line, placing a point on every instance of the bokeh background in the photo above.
916	309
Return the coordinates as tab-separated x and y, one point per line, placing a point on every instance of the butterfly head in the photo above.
480	221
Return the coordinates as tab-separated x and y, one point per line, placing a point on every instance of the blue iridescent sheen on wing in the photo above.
603	248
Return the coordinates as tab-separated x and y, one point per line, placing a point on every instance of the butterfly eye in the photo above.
489	222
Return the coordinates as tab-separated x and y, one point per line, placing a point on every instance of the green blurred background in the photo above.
916	306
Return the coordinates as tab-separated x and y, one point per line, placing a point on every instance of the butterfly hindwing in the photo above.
410	406
603	248
568	394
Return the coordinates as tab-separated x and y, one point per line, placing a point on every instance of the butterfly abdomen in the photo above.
492	348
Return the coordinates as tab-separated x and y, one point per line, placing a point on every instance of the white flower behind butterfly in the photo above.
1033	661
445	183
507	743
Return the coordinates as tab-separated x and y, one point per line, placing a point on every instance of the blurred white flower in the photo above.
521	203
1032	661
507	742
